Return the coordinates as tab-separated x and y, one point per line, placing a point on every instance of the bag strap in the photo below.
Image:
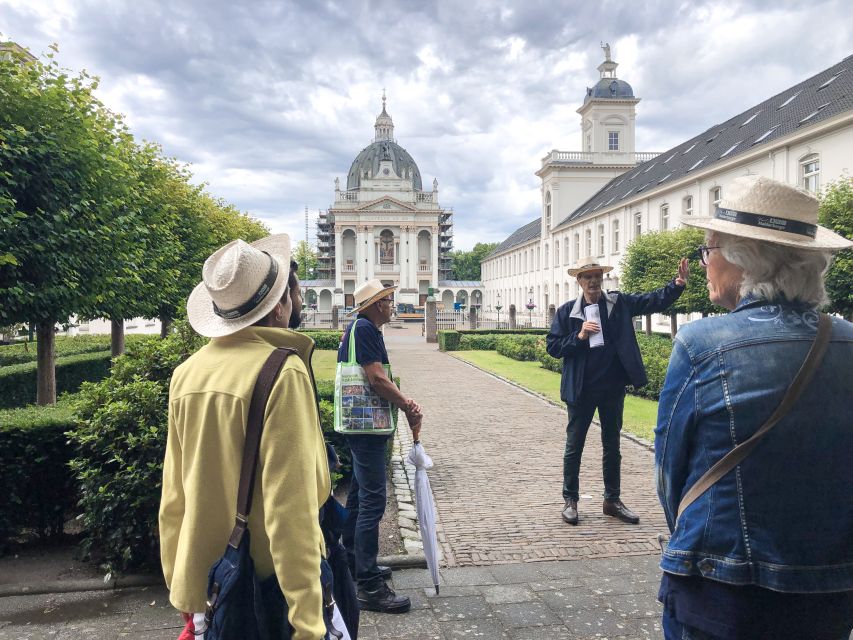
254	430
351	345
741	451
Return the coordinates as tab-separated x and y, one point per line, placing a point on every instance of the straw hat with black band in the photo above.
241	284
588	264
368	293
765	209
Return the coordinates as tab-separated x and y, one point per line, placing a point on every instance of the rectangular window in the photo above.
601	240
577	246
566	257
588	237
638	225
616	235
715	195
556	253
687	206
613	140
664	217
810	170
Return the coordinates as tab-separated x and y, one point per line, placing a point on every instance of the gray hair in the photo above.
773	271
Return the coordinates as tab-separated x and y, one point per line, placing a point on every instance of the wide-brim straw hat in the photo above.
765	209
368	293
588	264
241	284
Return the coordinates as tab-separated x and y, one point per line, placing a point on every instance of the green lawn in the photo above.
324	364
640	414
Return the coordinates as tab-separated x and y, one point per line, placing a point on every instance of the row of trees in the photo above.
93	223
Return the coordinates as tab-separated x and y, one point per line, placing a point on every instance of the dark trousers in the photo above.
366	506
609	403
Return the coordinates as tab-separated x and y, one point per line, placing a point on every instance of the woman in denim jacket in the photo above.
767	551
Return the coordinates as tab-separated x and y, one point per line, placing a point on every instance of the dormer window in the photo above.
613	141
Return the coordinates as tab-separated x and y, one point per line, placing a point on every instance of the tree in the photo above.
60	206
466	264
836	212
306	258
651	261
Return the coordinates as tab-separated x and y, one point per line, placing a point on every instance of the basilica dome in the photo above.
366	163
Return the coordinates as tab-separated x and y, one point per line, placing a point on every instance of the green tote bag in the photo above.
358	408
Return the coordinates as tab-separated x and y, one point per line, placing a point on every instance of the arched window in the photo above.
386	247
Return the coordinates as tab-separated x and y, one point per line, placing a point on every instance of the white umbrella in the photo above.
426	509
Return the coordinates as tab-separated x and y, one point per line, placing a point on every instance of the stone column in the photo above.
472	318
552	311
430	320
336	310
339	280
512	322
369	251
435	256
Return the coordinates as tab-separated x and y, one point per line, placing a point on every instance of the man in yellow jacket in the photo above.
243	305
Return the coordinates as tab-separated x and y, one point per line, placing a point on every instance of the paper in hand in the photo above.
592	315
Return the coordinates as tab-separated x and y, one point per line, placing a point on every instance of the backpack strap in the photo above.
254	431
741	451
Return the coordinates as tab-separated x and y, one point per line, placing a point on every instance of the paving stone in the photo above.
526	614
501	594
411	579
597	624
467	576
619	584
453	592
460	608
566	602
513	573
415	625
643	605
540	633
478	628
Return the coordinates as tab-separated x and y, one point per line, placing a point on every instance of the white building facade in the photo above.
595	202
384	225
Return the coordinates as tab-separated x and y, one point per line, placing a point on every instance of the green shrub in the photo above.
521	347
655	350
120	438
513	332
22	352
478	342
38	490
20	381
545	359
448	340
325	339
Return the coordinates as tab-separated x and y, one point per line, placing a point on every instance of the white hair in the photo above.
773	271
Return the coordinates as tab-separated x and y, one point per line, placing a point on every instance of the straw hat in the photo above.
368	293
241	283
588	264
765	209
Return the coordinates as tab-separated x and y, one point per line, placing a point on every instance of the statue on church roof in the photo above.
606	47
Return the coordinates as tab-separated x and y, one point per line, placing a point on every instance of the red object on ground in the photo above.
189	631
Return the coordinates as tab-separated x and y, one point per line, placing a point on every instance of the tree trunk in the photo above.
673	325
117	337
46	358
165	327
648	325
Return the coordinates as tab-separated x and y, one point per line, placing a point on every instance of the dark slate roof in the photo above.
369	157
528	232
460	283
317	283
823	96
610	88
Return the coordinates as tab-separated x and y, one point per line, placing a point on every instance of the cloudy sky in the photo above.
269	101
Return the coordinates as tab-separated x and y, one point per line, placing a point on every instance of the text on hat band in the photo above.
767	222
256	299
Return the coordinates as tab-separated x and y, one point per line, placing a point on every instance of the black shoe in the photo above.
384	571
383	600
570	511
619	511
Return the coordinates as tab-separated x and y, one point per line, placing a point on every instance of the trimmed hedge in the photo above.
517	347
655	350
545	360
38	489
324	339
448	340
19	382
22	352
479	339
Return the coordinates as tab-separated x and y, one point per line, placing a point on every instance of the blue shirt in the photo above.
369	343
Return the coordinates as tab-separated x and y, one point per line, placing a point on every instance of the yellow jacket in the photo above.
208	408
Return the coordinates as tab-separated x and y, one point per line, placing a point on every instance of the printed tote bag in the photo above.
358	408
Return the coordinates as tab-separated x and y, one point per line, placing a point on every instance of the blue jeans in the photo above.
609	403
366	506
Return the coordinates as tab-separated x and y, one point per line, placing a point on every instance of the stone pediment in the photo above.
386	203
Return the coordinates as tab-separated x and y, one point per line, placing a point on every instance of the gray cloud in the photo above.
270	101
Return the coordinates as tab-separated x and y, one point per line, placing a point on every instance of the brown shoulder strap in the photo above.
736	455
254	431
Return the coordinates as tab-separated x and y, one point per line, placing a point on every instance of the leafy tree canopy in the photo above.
306	258
466	264
836	212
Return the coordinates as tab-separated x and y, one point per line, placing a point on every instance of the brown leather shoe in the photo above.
619	511
570	512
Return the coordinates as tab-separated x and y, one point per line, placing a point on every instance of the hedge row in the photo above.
22	352
19	382
38	490
325	339
479	339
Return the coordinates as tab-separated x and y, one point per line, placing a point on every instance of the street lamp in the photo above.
530	307
498	307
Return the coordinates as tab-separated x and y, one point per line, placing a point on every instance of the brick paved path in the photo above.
498	474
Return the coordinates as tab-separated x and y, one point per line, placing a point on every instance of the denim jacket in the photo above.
783	518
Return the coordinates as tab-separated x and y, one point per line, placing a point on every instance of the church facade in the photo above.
384	225
596	201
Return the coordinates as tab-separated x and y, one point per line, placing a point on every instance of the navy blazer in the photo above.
563	339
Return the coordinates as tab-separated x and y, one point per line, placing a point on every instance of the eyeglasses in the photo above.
703	252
